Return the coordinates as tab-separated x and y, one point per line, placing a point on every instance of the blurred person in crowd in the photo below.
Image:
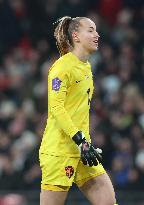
66	153
109	9
14	199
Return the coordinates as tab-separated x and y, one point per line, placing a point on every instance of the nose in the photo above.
97	35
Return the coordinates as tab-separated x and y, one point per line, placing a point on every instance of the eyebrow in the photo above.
91	27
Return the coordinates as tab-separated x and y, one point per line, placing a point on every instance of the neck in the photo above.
82	55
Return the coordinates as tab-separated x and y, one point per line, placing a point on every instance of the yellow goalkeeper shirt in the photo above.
70	88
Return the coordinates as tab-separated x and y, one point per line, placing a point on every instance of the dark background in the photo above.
27	50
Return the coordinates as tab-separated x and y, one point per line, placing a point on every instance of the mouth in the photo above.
96	42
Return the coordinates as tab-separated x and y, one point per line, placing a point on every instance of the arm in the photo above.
58	84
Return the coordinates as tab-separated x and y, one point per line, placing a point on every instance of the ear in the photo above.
75	37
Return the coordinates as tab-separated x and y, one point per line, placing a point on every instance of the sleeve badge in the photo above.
56	82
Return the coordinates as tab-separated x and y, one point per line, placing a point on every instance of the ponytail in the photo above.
63	33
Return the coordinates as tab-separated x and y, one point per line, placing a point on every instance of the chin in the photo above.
96	48
93	49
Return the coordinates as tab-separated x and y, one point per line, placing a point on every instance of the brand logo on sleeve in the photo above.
56	82
69	171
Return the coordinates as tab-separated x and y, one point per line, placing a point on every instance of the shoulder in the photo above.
62	65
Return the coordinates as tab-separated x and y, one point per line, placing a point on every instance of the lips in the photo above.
95	41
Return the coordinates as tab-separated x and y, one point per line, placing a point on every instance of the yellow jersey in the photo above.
70	89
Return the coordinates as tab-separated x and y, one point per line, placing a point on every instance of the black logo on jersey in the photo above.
77	81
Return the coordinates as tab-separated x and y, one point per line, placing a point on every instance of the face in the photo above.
87	36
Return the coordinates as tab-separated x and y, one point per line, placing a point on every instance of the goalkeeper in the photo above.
66	154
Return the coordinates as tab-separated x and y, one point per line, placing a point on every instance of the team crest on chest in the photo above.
69	171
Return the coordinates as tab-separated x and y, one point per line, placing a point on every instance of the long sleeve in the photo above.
58	83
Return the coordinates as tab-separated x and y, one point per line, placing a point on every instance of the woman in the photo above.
66	154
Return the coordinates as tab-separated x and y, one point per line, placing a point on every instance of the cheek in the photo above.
89	38
86	39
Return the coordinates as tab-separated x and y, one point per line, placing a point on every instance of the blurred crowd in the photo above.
27	50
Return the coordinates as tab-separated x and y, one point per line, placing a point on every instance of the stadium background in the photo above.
27	49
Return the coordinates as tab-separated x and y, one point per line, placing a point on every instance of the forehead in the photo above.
87	23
